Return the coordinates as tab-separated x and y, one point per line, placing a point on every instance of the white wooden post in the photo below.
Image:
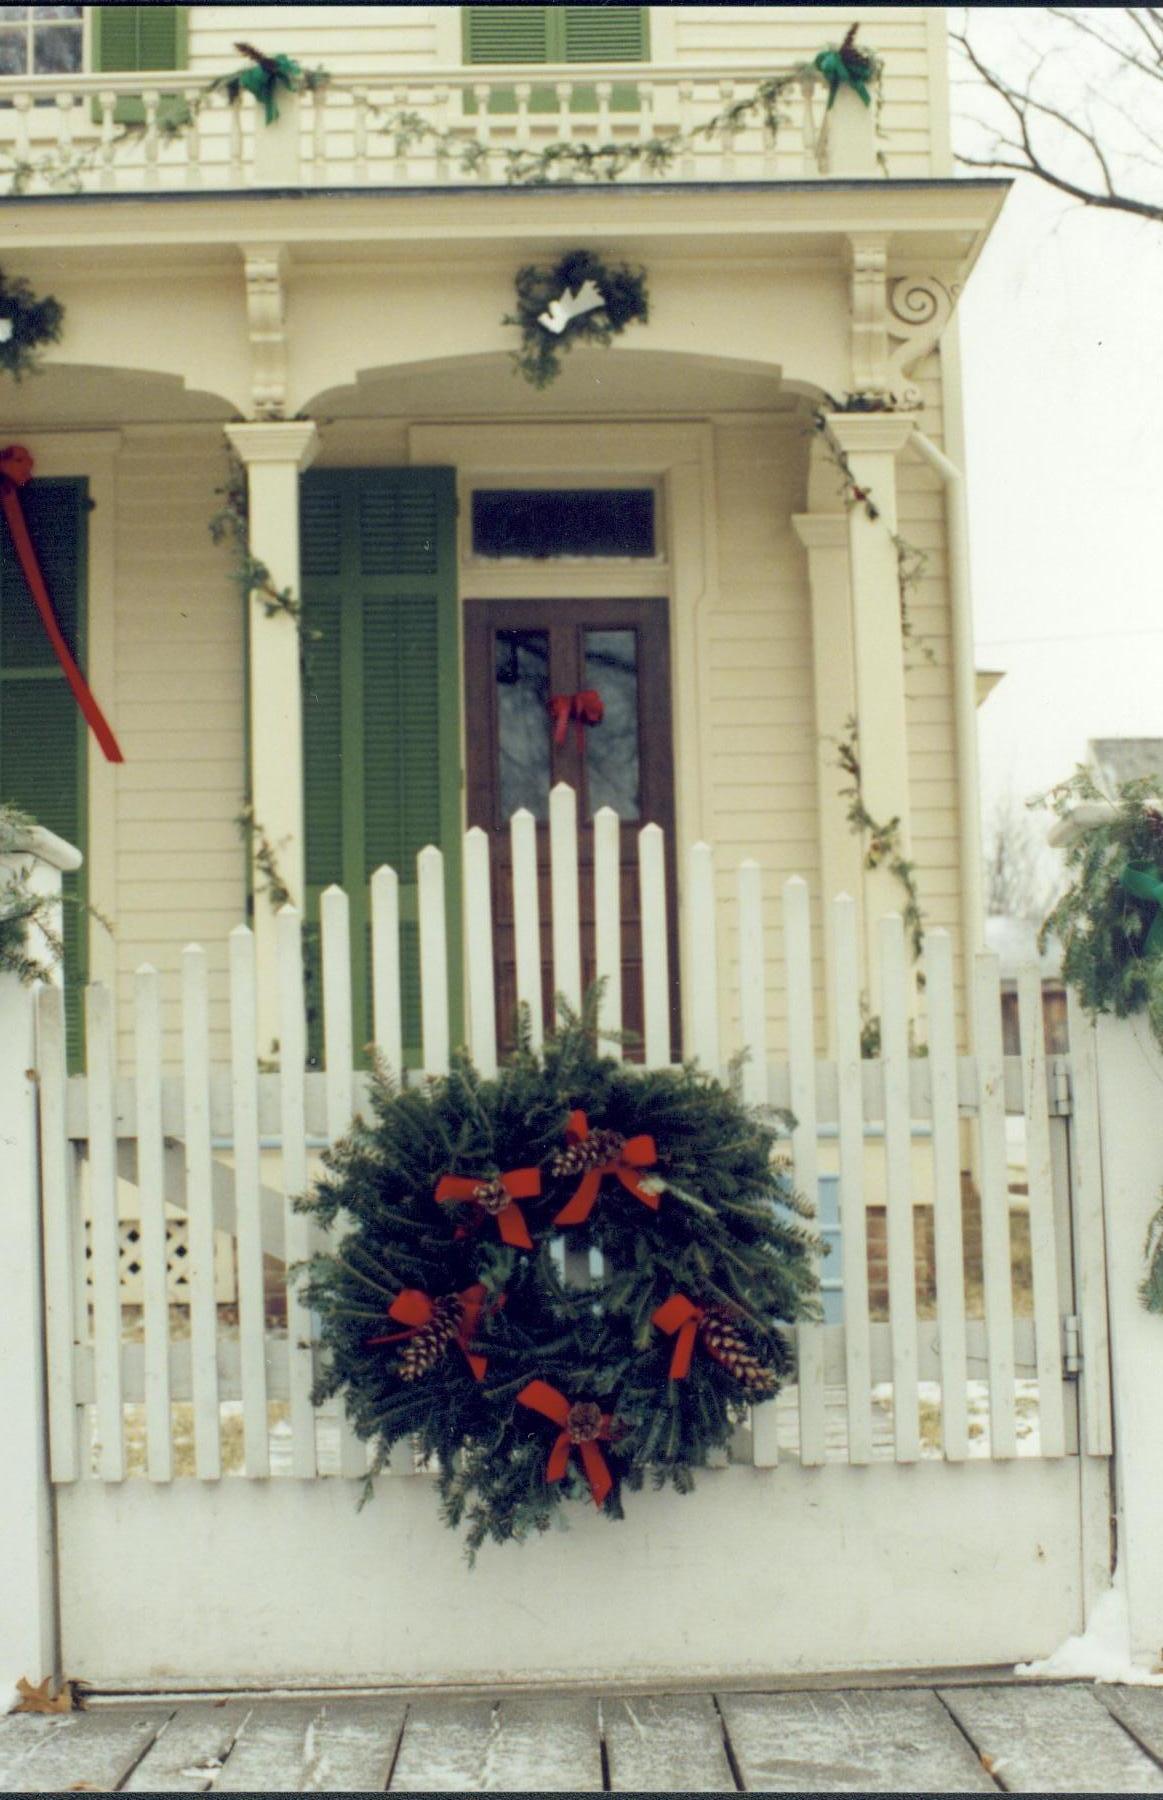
277	147
28	1636
274	454
1130	1098
848	139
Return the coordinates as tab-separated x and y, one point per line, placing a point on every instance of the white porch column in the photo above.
825	537
871	442
274	454
28	1632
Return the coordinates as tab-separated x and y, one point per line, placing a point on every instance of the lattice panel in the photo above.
177	1260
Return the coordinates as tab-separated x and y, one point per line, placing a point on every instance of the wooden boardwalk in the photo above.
965	1737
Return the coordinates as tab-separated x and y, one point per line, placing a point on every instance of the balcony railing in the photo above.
114	133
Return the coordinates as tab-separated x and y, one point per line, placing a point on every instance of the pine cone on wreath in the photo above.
723	1340
590	1152
426	1347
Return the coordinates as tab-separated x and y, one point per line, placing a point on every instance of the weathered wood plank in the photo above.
672	1744
895	1742
94	1749
536	1743
1052	1740
190	1749
1139	1711
312	1746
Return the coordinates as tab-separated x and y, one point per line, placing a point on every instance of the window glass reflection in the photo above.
612	762
523	726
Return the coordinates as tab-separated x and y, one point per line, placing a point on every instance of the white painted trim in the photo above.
937	61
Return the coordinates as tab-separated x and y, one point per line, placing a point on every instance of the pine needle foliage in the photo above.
1101	925
729	1233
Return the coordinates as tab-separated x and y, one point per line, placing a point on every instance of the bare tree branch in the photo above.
1043	129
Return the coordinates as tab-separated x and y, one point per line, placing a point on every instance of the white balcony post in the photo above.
278	157
871	442
274	454
1130	1096
28	1635
848	138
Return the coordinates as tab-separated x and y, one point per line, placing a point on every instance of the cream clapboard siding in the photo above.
179	624
757	733
399	40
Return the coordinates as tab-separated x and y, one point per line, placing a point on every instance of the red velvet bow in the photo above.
496	1195
582	1424
584	708
15	469
414	1308
636	1153
678	1314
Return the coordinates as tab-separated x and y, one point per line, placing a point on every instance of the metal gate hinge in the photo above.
1072	1344
1061	1100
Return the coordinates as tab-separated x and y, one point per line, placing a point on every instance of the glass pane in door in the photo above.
521	667
612	753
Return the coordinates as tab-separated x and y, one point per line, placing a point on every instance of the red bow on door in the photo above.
584	708
15	469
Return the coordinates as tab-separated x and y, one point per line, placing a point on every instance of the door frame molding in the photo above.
679	457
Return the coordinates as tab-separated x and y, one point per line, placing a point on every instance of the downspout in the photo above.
964	709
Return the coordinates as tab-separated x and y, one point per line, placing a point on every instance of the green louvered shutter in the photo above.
381	739
42	734
126	38
556	34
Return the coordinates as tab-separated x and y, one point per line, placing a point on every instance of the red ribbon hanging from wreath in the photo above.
582	1424
16	467
415	1309
496	1196
633	1154
584	708
679	1317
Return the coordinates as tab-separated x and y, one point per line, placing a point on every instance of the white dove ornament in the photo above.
5	330
571	306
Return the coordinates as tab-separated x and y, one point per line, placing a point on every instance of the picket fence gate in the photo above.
830	1539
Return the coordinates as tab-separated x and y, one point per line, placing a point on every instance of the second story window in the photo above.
557	34
41	40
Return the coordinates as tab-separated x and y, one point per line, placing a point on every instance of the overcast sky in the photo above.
1062	343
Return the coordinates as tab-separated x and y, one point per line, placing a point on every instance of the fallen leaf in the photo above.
988	1763
39	1700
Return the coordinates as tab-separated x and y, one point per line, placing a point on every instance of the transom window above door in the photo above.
544	522
41	40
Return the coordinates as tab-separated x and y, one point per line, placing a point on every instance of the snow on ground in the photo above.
1103	1652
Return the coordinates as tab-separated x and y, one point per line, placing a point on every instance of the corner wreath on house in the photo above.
25	324
578	300
446	1316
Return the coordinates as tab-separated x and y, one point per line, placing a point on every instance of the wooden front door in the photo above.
519	654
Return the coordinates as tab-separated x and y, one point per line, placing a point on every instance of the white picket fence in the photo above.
232	1148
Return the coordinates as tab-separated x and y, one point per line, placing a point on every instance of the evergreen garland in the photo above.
624	299
30	322
714	1221
1106	921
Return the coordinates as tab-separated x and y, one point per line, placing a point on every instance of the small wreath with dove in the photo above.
445	1311
580	300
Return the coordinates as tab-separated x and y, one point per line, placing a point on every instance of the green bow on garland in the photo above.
1146	883
265	76
846	67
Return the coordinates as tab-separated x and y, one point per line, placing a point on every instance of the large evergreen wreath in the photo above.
445	1314
623	297
25	324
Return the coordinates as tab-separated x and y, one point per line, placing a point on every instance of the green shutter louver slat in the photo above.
604	33
507	34
42	735
381	699
126	38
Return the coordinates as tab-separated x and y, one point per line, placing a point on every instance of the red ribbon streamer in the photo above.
519	1184
584	708
679	1315
414	1308
540	1397
636	1153
15	469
